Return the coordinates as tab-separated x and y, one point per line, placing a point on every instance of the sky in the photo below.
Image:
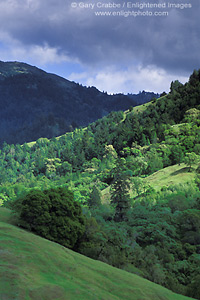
120	46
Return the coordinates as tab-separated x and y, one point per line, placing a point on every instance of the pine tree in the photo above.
120	197
95	197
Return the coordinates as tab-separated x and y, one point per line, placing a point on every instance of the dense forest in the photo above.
36	104
118	216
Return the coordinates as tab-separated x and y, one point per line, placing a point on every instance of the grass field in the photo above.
176	174
37	269
172	175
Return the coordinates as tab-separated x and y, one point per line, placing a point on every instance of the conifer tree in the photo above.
120	197
95	197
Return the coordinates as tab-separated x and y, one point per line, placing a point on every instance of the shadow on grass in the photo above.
7	216
183	170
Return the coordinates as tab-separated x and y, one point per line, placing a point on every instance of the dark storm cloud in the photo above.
171	42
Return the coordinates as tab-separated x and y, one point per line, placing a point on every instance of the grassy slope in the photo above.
34	268
172	175
176	174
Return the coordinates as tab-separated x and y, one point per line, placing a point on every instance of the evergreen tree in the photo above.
95	197
120	191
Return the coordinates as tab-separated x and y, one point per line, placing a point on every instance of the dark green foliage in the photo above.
93	240
52	214
155	233
174	86
154	239
178	202
95	197
167	253
120	191
163	94
42	104
193	289
109	242
33	212
189	221
177	154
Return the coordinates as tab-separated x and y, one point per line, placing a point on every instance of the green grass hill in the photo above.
172	175
37	269
169	176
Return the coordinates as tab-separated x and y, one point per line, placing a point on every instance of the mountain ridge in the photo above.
34	103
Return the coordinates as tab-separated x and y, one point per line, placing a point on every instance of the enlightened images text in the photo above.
139	5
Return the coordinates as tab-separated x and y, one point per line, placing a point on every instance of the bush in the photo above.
52	214
193	289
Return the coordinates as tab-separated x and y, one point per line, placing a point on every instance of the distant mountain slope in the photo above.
143	97
36	104
33	268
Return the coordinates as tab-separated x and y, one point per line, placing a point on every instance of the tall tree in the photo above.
95	197
120	197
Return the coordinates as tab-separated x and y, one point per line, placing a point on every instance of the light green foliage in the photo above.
3	198
137	165
110	156
170	176
191	159
154	161
95	163
191	114
137	185
51	165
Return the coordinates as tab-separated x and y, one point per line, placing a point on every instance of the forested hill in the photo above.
33	268
160	126
36	104
133	182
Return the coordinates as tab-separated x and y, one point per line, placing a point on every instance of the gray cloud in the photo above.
171	43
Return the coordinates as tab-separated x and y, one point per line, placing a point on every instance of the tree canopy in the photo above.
52	214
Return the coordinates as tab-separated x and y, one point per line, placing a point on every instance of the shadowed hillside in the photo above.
36	104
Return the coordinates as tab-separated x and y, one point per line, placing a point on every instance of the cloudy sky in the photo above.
134	47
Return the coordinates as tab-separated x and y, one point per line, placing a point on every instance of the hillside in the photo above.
33	268
36	104
148	159
176	174
166	177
